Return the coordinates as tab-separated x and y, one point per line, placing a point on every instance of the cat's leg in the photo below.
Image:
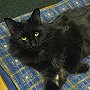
55	78
76	67
73	61
81	68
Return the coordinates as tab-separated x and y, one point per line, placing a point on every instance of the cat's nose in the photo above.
34	45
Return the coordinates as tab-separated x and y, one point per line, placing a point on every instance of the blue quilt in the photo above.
19	77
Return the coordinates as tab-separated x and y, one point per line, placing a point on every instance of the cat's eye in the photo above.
36	34
24	38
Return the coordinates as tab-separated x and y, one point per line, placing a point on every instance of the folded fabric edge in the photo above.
6	80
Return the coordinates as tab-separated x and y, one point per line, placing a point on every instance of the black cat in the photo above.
54	49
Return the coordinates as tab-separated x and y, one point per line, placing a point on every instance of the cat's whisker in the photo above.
45	40
48	39
16	52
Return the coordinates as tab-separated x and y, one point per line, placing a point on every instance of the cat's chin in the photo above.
33	51
37	51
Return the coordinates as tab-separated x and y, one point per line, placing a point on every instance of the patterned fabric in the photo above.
26	78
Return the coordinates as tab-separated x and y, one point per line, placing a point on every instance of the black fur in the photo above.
59	47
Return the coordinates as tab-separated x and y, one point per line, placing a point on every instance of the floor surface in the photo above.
13	8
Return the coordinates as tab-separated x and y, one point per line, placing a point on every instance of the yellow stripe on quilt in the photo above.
3	86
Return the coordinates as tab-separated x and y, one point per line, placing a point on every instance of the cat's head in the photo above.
28	35
32	34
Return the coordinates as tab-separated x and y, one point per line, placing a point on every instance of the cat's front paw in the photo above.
51	86
82	68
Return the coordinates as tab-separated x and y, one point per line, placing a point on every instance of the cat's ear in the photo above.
11	24
35	17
